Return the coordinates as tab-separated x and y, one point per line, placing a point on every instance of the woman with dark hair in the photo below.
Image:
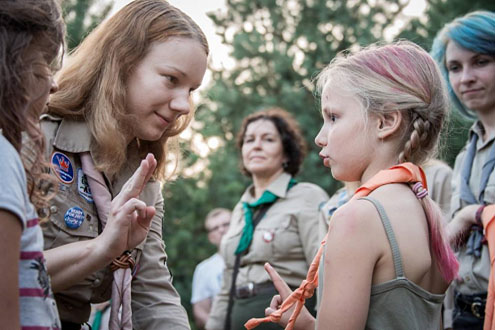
275	221
125	92
465	52
31	40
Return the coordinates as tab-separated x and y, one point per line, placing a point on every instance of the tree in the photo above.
82	16
278	46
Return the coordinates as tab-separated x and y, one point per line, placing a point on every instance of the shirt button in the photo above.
53	209
467	278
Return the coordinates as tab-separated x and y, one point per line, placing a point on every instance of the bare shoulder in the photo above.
356	219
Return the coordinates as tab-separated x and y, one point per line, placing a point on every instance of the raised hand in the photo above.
130	218
284	291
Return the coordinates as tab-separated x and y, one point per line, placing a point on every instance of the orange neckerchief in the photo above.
402	173
488	219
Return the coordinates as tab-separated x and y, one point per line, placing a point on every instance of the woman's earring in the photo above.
285	165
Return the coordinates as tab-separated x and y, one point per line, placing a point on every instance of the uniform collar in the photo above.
278	187
73	136
478	129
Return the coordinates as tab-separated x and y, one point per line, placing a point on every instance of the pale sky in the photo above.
198	9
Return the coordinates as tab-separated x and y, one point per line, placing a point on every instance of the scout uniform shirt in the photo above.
473	272
73	217
286	237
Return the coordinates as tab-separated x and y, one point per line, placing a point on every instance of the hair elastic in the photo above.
419	190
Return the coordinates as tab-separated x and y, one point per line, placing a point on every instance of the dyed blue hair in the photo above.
474	32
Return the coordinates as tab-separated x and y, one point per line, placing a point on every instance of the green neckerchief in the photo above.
247	232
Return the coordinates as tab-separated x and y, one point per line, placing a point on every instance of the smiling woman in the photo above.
125	92
275	221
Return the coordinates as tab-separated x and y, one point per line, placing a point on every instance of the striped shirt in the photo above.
38	310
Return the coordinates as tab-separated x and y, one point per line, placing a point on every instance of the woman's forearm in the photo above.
71	263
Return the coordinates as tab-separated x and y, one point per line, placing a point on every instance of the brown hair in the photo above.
293	142
31	39
92	86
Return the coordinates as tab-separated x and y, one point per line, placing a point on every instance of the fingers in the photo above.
131	206
269	311
134	186
276	302
144	218
282	287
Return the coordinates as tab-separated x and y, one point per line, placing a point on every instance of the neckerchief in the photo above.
488	220
475	240
402	173
467	165
247	232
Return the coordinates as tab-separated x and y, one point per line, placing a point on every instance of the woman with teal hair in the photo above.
465	51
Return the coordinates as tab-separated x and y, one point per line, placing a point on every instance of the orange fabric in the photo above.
488	219
405	172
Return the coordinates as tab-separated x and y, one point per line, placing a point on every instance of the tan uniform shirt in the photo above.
155	303
439	179
286	237
473	272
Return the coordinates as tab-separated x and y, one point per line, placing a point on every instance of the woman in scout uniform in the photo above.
124	92
386	262
272	151
31	37
465	51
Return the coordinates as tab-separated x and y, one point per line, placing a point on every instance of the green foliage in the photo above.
278	47
82	16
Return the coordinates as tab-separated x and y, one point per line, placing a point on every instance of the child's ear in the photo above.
388	123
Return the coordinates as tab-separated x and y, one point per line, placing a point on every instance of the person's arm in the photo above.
10	245
128	224
308	217
155	302
216	318
201	310
351	253
461	223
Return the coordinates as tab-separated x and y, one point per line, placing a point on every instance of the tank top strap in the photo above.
390	235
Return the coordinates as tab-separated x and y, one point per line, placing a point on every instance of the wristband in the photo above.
477	216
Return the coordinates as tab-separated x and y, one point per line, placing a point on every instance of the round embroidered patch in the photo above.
63	167
74	217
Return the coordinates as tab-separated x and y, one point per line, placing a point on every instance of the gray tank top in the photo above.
399	303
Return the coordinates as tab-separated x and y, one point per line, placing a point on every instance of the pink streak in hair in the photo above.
445	258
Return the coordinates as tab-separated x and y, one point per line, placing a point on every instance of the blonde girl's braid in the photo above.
418	146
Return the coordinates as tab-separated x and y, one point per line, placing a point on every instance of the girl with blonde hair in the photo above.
386	261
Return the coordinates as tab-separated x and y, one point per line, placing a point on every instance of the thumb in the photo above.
144	218
282	287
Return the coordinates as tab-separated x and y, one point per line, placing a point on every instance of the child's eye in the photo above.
332	117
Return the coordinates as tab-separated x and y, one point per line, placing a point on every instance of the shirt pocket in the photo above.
71	219
279	233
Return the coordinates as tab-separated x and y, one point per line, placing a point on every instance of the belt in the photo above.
252	289
70	325
475	304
